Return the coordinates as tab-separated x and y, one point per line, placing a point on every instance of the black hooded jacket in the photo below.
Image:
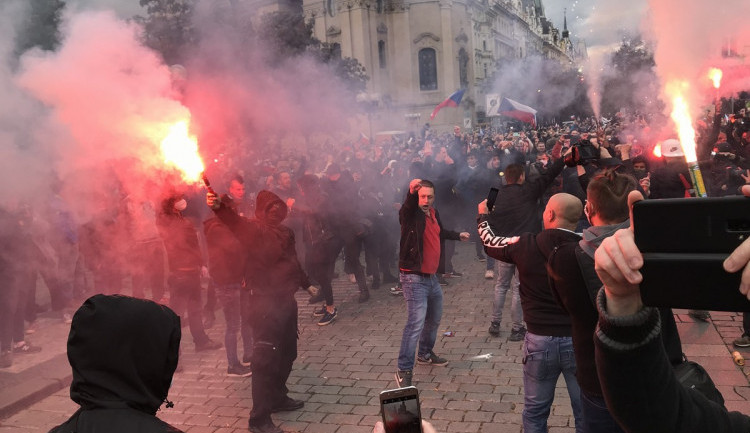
123	352
272	267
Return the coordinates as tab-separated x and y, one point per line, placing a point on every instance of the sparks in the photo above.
715	74
180	149
681	117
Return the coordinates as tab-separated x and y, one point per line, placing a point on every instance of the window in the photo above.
331	6
463	68
427	69
381	54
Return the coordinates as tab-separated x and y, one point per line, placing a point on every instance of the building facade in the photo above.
418	52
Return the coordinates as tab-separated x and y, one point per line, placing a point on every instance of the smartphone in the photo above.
491	197
684	242
400	410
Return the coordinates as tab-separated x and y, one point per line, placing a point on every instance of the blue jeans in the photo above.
506	277
424	306
596	416
490	264
544	359
234	302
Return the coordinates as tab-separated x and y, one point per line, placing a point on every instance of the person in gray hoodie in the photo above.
575	284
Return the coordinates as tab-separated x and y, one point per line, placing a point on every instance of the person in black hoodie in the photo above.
273	274
123	352
516	212
548	344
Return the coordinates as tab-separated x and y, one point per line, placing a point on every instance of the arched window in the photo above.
427	69
336	50
463	68
381	53
331	7
380	6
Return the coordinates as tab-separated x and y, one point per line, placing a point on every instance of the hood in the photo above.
264	201
595	235
548	239
123	352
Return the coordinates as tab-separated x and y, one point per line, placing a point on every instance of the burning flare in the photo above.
715	74
677	89
180	149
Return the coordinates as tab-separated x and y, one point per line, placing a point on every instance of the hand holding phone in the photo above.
400	410
491	197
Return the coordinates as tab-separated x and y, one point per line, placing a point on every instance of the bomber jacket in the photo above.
413	221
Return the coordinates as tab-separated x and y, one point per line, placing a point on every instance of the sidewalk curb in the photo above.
33	384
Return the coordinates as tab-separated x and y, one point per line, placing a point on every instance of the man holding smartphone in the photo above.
422	238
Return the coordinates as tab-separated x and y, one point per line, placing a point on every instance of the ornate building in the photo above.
418	52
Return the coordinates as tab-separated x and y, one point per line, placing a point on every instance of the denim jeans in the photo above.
506	277
544	359
233	301
596	416
424	306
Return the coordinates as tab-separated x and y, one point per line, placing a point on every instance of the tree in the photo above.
285	35
41	27
633	85
168	27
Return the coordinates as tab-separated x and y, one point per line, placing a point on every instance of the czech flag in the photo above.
452	101
518	111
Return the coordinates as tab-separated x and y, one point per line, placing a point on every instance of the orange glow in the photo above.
677	90
657	150
180	149
715	74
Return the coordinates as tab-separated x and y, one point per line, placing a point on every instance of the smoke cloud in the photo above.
689	39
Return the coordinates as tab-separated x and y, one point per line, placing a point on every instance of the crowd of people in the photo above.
282	221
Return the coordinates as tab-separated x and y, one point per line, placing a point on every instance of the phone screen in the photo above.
401	414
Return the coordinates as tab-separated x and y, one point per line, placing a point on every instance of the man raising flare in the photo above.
422	236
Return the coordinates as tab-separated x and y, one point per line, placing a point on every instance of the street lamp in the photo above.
370	103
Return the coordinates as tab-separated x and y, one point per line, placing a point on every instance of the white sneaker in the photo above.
489	274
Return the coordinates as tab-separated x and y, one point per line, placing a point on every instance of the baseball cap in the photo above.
671	147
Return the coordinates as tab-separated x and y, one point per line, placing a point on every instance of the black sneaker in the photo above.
288	405
431	358
364	296
328	317
700	315
403	378
517	334
208	345
743	341
494	329
266	427
320	312
239	370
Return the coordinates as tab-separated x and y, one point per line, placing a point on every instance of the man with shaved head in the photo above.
548	343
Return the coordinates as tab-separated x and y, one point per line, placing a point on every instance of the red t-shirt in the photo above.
430	244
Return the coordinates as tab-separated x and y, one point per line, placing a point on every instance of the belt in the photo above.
421	274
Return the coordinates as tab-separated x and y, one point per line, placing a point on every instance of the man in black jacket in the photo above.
515	212
548	346
273	274
574	283
419	257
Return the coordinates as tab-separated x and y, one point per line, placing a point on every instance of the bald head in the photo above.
562	212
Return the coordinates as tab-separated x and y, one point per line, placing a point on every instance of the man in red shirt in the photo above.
422	236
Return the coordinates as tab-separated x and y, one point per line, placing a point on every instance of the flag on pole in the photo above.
518	111
452	101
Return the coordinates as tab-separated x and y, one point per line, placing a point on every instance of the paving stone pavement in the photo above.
342	367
